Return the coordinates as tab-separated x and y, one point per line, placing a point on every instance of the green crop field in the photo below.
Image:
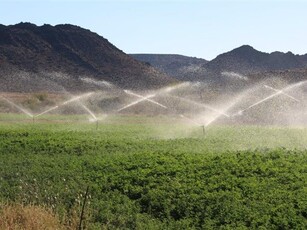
156	172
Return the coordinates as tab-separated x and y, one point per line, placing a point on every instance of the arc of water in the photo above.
202	105
191	120
171	88
46	111
273	95
65	103
278	90
77	98
228	107
136	102
147	99
90	112
18	107
97	82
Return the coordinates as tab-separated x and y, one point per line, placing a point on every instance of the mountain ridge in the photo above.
62	56
175	65
244	60
75	51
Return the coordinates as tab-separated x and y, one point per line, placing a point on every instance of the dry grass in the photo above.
28	217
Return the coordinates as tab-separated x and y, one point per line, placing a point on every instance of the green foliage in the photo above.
139	181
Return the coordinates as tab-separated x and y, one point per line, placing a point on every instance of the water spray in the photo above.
19	108
273	95
91	113
136	102
219	112
73	99
148	97
171	88
195	122
142	98
100	83
48	110
202	105
76	98
145	98
281	91
189	119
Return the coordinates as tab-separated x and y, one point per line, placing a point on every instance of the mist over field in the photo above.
96	137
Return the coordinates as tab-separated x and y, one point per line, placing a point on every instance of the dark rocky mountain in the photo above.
304	58
178	66
245	66
227	68
34	57
246	60
67	57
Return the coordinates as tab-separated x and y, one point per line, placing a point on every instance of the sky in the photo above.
195	28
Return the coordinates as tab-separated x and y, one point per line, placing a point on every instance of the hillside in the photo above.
70	58
247	66
178	66
227	68
246	59
290	75
63	55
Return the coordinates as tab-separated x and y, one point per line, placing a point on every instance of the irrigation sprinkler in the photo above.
148	97
135	102
201	105
204	130
171	88
46	111
195	122
73	99
89	111
77	98
18	107
281	91
189	119
145	98
142	98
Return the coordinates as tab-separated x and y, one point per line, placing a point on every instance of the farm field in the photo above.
155	172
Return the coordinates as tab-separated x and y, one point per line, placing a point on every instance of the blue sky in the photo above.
192	27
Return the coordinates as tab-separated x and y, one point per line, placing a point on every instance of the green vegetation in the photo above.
142	176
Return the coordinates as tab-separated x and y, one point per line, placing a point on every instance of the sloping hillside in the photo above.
178	66
246	59
64	54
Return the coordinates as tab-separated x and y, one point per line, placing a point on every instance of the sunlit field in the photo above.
157	172
153	115
171	158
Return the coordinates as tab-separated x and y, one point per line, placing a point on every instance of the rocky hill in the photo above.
67	57
178	66
38	57
246	60
241	64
